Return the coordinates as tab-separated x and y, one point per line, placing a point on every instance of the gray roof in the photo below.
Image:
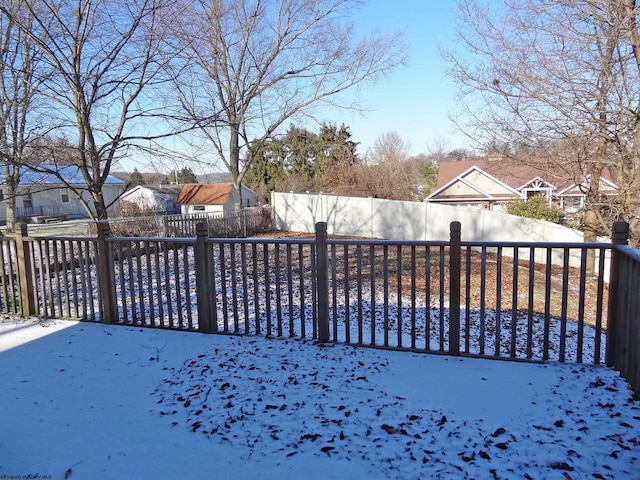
46	175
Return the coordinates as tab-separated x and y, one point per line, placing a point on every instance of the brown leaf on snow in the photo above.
498	432
540	427
389	429
466	457
310	436
327	450
561	466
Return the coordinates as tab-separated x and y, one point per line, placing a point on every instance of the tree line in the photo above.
328	161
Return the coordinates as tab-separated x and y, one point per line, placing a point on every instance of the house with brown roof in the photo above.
214	198
493	183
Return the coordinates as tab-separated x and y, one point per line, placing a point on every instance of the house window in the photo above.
542	192
572	203
27	201
64	195
198	208
1	195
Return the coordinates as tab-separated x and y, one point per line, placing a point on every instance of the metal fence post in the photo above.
203	278
322	282
25	271
454	287
106	282
619	236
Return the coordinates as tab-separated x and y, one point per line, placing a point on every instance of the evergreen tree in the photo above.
301	160
136	179
186	175
181	177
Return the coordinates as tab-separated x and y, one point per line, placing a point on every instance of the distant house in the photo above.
42	196
153	199
493	183
213	198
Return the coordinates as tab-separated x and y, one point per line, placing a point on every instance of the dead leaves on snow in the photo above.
297	406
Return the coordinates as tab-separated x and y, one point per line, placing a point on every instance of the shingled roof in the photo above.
208	194
511	172
499	179
46	175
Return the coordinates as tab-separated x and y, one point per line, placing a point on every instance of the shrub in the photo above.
535	207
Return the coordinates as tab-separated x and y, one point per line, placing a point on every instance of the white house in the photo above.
153	199
214	198
42	195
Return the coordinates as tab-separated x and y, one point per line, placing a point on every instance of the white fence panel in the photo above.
397	220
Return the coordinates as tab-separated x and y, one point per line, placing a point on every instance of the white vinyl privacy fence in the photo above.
421	221
398	220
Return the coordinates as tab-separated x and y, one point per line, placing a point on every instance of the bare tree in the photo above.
22	71
390	147
255	64
104	54
560	77
391	173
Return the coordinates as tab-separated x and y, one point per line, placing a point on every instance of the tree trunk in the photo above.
99	205
234	161
591	223
11	179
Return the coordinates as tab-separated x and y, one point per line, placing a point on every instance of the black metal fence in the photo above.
523	301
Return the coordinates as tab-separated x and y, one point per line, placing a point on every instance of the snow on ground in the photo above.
92	401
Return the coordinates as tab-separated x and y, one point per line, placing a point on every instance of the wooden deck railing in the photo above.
521	301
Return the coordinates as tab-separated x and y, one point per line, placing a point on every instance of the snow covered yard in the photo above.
93	401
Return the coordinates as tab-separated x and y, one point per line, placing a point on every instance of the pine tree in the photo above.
136	178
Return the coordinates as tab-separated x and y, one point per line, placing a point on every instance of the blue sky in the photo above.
414	100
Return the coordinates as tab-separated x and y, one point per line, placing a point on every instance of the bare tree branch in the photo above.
103	54
558	78
23	71
254	65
